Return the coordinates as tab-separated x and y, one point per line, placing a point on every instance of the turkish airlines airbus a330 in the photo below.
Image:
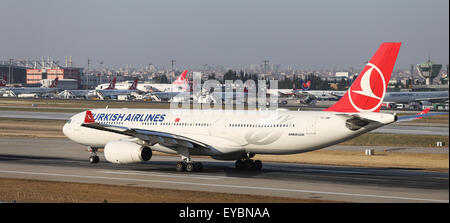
130	135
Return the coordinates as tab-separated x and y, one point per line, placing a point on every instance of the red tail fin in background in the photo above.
3	82
182	80
54	83
367	91
112	84
134	85
306	86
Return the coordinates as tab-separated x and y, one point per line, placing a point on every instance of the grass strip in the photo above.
39	191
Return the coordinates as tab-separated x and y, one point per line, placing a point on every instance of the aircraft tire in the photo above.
190	167
181	166
94	159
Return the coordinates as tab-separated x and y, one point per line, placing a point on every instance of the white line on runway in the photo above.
227	186
163	175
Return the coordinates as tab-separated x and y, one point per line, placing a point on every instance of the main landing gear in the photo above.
187	164
248	164
93	152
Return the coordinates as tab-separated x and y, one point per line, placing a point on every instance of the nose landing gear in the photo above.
93	152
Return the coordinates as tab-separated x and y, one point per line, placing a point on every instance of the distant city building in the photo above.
342	74
34	76
14	71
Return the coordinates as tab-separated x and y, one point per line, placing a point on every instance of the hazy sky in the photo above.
317	34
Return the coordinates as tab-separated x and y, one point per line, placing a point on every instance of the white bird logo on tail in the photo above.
366	90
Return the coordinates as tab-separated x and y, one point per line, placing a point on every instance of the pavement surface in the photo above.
64	160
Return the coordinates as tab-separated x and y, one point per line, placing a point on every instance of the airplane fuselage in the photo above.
408	97
259	132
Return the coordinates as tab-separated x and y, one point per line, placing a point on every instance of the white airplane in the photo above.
107	86
3	82
33	90
179	85
111	90
130	135
422	97
168	91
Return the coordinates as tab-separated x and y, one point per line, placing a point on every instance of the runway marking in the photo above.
163	175
228	186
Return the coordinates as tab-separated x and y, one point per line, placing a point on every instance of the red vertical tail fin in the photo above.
112	84
134	85
54	83
3	81
368	90
182	81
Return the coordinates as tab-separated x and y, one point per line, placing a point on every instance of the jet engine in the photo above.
126	152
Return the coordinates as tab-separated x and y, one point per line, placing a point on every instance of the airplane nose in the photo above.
65	130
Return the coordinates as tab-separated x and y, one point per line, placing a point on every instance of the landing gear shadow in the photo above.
226	168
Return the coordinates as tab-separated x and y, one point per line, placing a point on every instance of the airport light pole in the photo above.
172	62
266	62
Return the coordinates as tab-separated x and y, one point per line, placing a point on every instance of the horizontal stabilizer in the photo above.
418	116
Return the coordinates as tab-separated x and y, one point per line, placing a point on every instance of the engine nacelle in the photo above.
126	152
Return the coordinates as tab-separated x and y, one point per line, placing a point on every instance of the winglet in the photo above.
89	118
425	111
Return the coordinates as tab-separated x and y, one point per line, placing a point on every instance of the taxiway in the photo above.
63	160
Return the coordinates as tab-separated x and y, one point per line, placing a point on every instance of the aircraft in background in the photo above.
130	135
423	97
179	85
3	82
108	86
111	91
29	91
180	88
290	92
305	86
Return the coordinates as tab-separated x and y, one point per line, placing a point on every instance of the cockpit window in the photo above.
69	120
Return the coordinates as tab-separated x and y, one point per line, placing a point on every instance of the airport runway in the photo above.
63	160
394	128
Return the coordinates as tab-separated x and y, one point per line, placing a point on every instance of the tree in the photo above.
230	75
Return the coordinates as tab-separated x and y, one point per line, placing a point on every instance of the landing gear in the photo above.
248	164
189	167
94	159
187	164
93	152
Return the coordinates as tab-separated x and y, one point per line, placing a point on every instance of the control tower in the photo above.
428	70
